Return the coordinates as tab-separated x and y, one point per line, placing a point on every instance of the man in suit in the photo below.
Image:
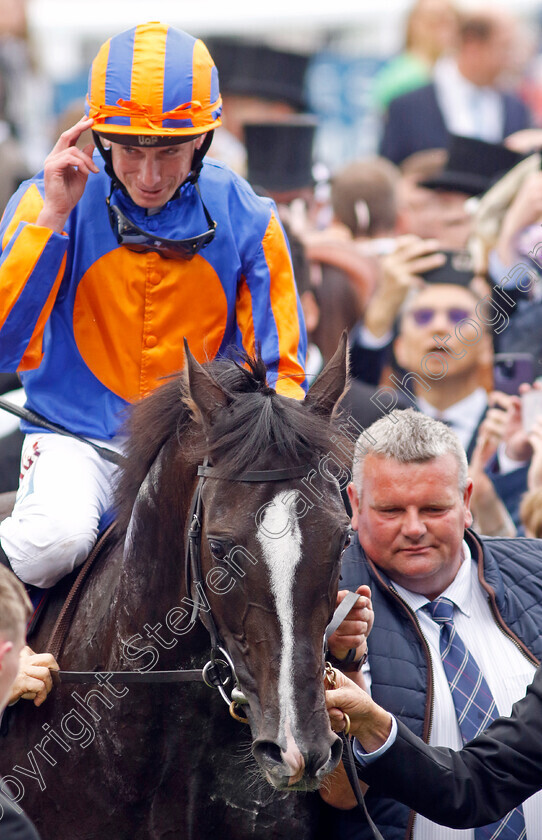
445	354
442	346
464	97
410	499
15	610
491	774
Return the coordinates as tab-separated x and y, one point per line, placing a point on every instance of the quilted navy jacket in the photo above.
511	572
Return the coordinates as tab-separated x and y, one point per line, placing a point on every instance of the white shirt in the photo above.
468	110
506	669
463	417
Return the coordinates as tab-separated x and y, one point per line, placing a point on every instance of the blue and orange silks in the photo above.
92	326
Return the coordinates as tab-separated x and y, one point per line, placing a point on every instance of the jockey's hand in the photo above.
65	174
33	681
354	630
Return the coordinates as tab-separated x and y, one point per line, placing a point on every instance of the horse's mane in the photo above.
258	428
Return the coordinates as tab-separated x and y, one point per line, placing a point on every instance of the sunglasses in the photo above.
136	239
424	316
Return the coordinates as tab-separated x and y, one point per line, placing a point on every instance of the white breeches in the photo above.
65	488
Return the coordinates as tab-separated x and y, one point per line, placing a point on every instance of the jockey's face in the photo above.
152	176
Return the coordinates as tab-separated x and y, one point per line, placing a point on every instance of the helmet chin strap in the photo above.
197	160
191	178
106	155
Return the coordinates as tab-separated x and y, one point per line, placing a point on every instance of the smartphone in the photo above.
531	408
458	269
510	370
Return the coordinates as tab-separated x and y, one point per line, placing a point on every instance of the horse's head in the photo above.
270	555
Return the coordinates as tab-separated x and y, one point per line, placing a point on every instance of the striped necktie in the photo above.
474	705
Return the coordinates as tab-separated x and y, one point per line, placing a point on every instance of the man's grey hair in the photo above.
410	438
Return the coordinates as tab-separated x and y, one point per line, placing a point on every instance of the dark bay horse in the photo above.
150	762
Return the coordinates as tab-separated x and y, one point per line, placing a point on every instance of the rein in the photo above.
37	420
350	769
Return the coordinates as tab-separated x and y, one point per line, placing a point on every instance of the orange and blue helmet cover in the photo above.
155	84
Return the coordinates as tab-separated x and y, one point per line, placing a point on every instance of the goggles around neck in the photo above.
136	239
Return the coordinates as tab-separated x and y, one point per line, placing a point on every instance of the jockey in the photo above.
108	260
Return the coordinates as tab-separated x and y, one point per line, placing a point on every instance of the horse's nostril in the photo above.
320	759
336	751
267	753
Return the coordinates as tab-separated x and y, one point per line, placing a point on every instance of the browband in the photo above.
257	475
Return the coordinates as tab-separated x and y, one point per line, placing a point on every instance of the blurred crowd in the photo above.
426	251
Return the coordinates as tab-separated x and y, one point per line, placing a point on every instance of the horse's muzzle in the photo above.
294	770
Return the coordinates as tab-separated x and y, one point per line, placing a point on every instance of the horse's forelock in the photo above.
257	427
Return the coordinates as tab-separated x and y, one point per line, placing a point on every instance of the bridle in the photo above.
220	664
219	672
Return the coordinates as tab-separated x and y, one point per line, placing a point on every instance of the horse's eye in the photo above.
218	550
347	541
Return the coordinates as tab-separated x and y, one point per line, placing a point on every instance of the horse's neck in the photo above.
152	577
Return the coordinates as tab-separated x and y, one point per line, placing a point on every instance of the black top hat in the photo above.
458	270
258	70
473	166
279	154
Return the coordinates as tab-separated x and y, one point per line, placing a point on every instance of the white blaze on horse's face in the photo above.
280	538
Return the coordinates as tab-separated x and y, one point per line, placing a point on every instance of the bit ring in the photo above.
235	715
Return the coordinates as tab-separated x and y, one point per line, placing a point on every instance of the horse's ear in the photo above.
330	385
206	394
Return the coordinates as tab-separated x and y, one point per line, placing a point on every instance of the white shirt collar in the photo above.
468	110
